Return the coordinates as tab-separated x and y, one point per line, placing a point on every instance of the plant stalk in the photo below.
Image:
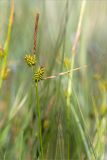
39	120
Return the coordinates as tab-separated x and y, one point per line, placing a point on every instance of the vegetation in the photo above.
53	80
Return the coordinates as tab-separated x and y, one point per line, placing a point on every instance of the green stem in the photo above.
6	46
39	120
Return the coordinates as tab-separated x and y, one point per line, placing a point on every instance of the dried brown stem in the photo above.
63	73
78	28
35	33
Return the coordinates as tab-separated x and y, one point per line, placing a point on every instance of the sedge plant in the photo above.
31	60
38	75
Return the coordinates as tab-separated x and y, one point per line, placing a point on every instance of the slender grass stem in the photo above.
6	46
72	66
39	121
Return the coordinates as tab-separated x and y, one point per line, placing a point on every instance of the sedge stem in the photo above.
39	120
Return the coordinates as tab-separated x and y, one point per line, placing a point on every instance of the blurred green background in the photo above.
82	135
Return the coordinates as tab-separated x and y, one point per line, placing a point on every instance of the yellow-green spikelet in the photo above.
38	75
5	73
30	60
2	53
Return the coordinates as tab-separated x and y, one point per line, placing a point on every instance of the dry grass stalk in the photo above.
35	33
78	28
63	73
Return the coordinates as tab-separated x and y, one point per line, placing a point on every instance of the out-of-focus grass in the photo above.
77	133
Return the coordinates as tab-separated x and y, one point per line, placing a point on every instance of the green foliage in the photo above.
62	117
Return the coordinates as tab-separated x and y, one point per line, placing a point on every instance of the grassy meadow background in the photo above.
72	120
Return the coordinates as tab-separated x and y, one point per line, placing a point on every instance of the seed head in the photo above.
45	124
38	75
1	53
5	73
30	60
67	63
